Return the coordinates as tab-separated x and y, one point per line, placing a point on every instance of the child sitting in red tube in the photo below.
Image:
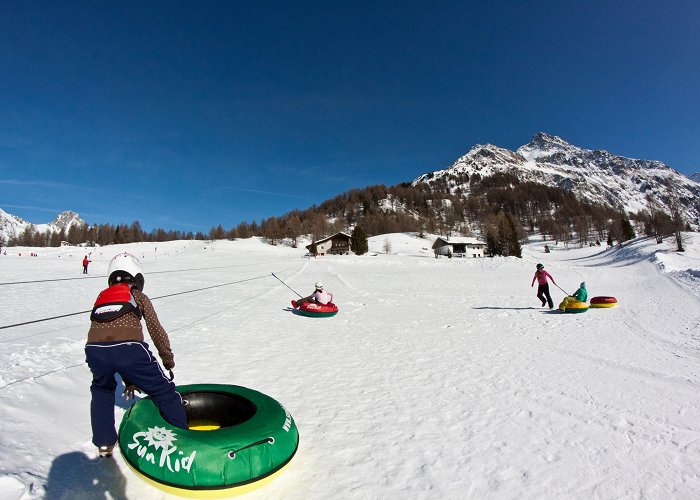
320	296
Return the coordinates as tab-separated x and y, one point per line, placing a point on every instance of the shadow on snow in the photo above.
74	475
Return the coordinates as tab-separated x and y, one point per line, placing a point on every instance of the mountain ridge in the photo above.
597	176
12	226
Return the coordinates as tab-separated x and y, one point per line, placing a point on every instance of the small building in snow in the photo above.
459	246
337	244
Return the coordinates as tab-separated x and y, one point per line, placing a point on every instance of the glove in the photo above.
168	362
129	391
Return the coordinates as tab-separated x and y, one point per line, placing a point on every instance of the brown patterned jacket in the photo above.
128	327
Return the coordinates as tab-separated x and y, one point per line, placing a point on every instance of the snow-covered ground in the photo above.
439	378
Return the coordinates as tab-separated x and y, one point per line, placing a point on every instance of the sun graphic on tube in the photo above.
160	437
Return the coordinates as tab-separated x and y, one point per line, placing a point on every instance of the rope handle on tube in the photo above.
300	296
232	454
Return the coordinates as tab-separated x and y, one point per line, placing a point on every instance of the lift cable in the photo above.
153	298
104	276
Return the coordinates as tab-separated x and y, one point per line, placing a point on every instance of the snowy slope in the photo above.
10	225
596	176
439	378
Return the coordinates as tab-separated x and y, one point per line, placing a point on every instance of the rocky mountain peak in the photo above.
12	226
543	144
490	153
597	176
67	219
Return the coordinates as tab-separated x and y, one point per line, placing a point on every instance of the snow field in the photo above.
439	378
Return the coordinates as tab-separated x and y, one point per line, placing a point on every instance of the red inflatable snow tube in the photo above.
603	302
314	310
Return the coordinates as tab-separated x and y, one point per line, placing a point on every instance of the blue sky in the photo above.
185	115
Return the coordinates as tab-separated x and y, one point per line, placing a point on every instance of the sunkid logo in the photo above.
160	438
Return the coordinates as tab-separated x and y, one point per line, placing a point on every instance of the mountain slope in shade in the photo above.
593	175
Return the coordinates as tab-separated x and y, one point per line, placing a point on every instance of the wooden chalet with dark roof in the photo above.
337	244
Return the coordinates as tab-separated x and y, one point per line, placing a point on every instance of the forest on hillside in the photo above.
498	209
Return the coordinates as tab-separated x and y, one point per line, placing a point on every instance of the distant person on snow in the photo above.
543	287
320	296
580	295
85	264
115	344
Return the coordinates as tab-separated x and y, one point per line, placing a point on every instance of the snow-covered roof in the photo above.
331	237
461	240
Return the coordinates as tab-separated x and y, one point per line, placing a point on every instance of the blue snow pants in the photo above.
135	363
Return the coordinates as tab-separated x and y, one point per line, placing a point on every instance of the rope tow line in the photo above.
154	298
207	288
150	273
300	296
51	279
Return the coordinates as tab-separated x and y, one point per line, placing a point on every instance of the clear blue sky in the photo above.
185	115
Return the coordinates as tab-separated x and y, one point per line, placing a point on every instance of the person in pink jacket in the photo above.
320	296
543	287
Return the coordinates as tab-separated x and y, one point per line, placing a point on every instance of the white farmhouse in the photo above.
459	246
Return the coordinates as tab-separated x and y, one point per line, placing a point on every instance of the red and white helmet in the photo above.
125	268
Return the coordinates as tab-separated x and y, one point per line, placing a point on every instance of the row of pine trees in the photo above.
498	209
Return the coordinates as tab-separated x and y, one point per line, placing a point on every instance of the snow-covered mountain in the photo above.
12	226
593	175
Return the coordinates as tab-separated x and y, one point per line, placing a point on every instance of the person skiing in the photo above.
85	264
115	344
543	287
320	296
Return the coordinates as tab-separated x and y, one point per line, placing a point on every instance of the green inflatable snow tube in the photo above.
236	436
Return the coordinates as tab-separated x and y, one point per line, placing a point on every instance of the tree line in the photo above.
499	209
103	234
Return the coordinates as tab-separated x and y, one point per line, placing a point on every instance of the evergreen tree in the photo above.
627	230
491	244
55	239
358	241
137	231
313	250
514	247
